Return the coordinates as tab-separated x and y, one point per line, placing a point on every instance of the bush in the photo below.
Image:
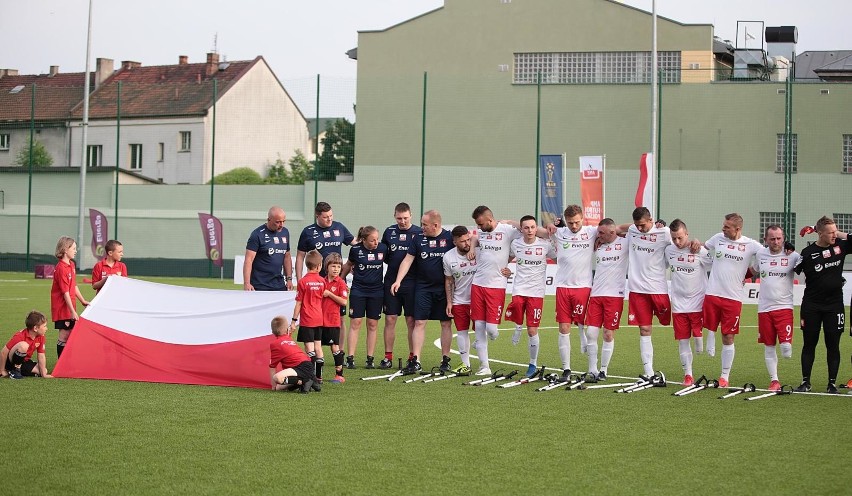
240	175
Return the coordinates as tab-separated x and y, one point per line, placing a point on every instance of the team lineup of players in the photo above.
460	278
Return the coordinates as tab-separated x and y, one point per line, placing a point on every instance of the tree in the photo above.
240	175
41	157
297	171
338	153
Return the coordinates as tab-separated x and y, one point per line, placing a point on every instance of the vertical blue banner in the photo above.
551	187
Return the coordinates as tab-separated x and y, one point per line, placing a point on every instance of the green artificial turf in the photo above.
373	437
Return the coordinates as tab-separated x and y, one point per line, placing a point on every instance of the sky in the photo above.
302	38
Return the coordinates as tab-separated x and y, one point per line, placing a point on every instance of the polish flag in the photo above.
646	193
143	331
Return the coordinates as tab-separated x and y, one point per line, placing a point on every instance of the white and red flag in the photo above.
592	189
646	194
143	331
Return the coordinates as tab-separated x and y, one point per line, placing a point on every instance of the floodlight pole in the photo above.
83	149
654	100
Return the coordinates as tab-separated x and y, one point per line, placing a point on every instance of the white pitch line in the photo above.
13	299
13	280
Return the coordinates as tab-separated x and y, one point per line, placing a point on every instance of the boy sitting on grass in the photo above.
17	354
297	369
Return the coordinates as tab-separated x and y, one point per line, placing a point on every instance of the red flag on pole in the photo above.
100	230
211	229
646	193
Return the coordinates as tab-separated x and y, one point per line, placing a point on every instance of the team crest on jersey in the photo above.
275	240
442	243
432	243
690	258
741	247
498	236
381	256
826	253
539	251
337	232
837	250
326	234
402	237
584	236
784	262
371	256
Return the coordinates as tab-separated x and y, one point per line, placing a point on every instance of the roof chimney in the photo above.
11	72
3	72
129	64
212	63
54	70
103	69
183	60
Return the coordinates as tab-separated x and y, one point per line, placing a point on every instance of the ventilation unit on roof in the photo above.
16	89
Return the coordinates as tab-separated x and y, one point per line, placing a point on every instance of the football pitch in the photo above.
373	437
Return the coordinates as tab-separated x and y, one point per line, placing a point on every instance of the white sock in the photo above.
698	341
516	336
481	343
564	345
771	359
592	347
492	331
685	356
786	350
728	353
533	345
584	343
606	354
646	349
463	342
711	343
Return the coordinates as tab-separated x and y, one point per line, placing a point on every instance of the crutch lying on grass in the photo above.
497	373
657	380
698	382
747	388
616	385
785	389
385	376
459	372
581	384
535	377
398	373
435	372
708	384
557	382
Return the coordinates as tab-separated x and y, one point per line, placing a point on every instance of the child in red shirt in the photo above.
334	297
110	265
297	370
18	352
308	307
64	292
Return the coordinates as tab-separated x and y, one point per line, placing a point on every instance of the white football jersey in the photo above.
776	279
647	272
731	260
530	277
461	270
689	278
611	261
574	255
492	255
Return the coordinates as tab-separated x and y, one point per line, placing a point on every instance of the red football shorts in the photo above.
642	307
775	326
687	325
722	311
525	306
486	304
605	311
461	317
571	305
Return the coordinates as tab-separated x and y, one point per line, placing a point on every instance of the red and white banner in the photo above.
100	232
592	189
143	331
211	229
646	193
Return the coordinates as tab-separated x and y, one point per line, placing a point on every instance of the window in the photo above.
94	155
161	151
780	143
843	222
594	67
847	152
136	156
769	218
4	141
185	141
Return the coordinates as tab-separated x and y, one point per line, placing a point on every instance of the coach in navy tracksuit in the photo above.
268	265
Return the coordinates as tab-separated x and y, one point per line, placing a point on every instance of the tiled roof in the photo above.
164	90
55	96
